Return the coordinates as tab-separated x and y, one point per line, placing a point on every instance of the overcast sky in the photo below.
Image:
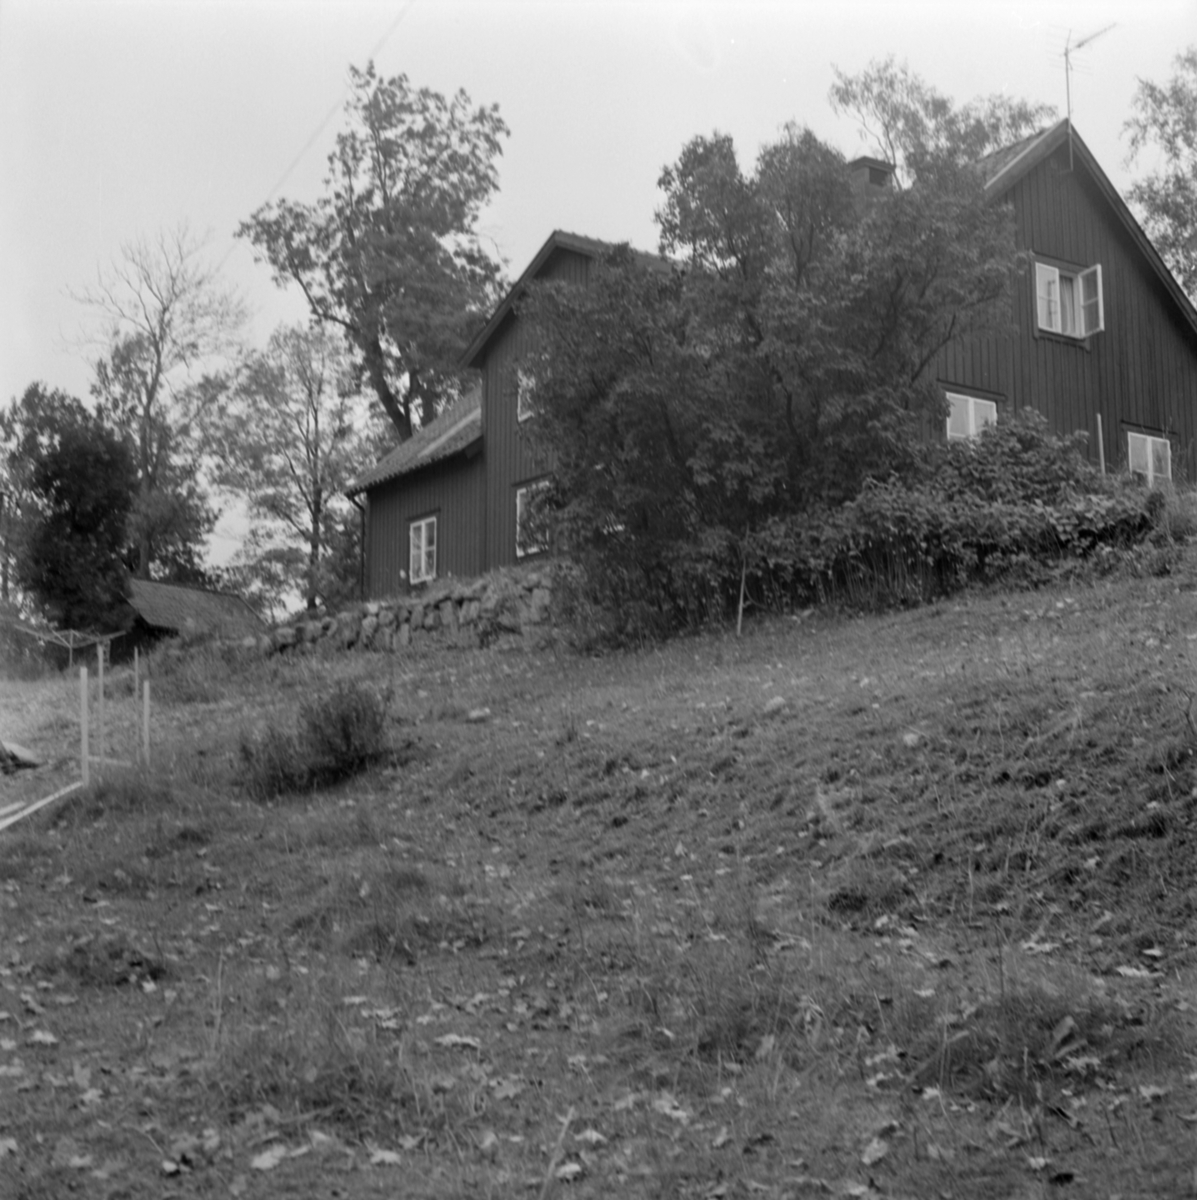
119	118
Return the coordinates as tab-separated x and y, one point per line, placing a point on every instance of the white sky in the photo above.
119	118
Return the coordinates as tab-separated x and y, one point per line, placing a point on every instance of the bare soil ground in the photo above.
889	906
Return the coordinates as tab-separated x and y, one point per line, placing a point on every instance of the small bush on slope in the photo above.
340	734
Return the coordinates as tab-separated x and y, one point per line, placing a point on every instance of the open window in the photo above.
968	415
422	550
525	394
1069	303
1149	457
530	537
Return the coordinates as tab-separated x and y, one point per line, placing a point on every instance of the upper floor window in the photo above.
968	415
525	392
529	537
1149	457
422	550
1069	302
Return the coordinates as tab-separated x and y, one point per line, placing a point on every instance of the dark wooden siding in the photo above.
1140	372
510	461
453	491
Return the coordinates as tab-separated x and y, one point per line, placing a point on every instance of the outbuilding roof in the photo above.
180	609
454	431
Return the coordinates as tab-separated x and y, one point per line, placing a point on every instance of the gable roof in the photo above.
557	240
1004	168
455	430
192	610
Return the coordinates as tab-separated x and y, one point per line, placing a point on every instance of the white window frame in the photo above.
525	393
978	413
421	550
1070	303
1141	450
521	502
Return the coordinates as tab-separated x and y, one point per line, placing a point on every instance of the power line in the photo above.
328	116
332	112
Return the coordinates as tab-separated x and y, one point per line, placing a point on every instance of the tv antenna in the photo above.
1069	47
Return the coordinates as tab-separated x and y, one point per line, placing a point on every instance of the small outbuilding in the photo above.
170	610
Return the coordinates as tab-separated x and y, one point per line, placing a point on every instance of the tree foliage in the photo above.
170	331
391	254
779	355
83	479
29	428
922	132
294	433
1165	121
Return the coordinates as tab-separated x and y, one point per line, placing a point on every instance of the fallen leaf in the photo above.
269	1158
591	1137
457	1039
874	1152
43	1037
507	1089
721	1138
1133	972
667	1104
385	1158
568	1171
1152	1091
1036	1163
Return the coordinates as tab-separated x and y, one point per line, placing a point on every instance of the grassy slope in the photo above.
900	905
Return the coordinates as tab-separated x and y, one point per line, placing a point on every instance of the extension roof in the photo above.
1004	168
454	431
557	240
192	610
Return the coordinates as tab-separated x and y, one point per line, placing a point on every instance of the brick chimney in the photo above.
868	174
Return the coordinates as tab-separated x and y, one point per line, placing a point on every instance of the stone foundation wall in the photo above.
472	612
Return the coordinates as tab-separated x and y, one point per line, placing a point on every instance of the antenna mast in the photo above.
1069	47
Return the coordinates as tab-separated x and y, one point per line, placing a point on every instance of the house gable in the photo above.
1140	371
512	463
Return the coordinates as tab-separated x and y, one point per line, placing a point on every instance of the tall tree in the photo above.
293	436
84	480
1165	121
170	333
391	254
787	354
29	429
919	130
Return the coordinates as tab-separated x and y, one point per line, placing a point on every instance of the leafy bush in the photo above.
338	736
1013	504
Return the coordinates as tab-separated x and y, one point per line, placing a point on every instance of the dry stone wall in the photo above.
455	612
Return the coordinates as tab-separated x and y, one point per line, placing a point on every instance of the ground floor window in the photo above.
422	544
1149	457
968	415
529	539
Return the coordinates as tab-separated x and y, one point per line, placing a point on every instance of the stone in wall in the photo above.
349	628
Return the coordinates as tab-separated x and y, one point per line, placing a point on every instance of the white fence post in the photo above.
100	702
83	723
145	723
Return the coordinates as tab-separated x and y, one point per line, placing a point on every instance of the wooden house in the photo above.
448	502
1104	340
